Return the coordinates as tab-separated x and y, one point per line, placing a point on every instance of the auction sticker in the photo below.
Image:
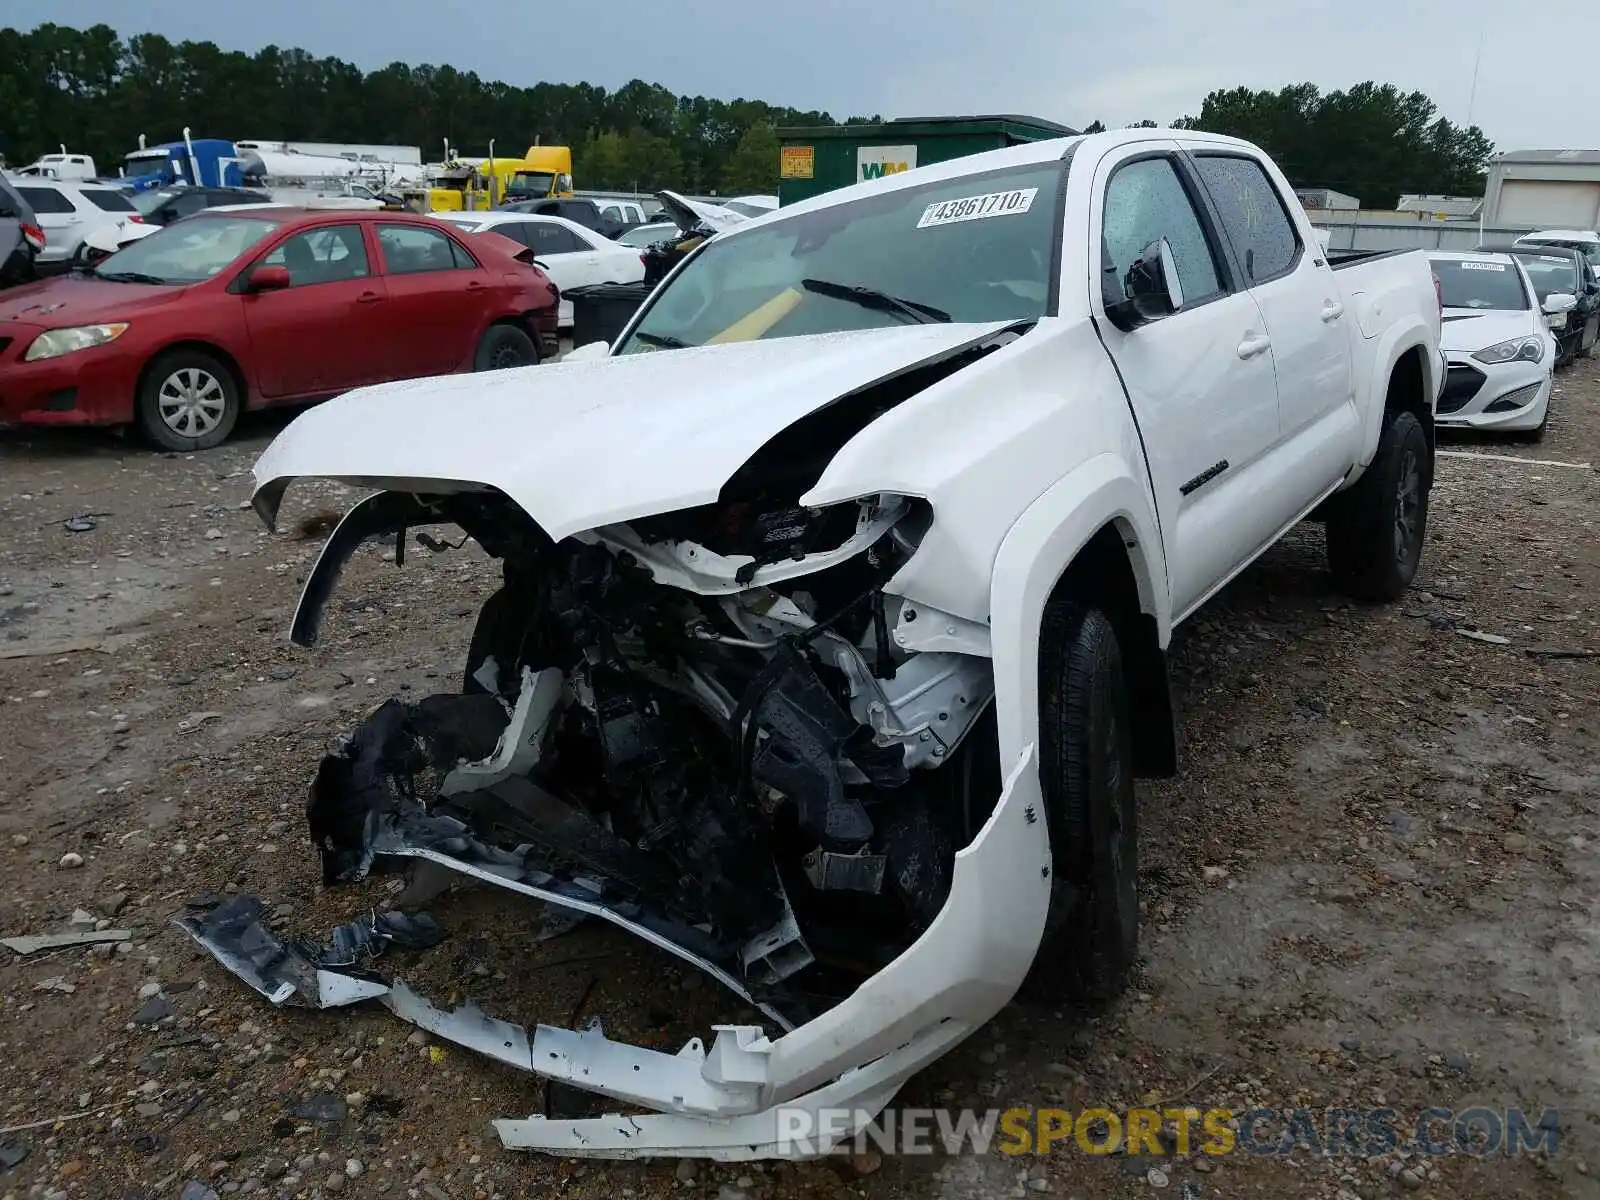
1472	266
977	208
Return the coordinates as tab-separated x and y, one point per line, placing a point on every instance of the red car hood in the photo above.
68	300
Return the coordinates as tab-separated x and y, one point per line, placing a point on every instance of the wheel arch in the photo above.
1407	379
1092	538
240	380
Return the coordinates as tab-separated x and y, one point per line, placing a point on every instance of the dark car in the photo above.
585	212
168	204
21	238
1555	269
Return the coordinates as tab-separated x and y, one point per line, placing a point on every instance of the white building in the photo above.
1544	189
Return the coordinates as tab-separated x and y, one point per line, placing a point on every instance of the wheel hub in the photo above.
192	402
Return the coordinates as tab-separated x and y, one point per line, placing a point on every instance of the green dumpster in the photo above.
817	160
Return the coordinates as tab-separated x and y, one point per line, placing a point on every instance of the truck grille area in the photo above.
1461	384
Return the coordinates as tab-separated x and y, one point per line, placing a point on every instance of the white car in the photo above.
1585	241
1498	343
69	210
571	255
836	600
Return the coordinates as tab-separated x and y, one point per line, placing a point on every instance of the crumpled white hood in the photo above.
579	445
1488	328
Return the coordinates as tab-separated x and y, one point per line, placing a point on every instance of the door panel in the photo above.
1305	317
1200	381
434	321
327	331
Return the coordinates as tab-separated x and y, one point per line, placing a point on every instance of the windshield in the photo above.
148	202
1467	284
531	183
977	248
1550	273
188	252
647	235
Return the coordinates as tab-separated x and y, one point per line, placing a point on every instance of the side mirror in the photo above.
587	352
1560	302
268	279
1150	288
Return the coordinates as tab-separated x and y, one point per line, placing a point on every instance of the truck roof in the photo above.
1021	155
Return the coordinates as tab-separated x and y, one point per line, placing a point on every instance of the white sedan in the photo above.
571	255
1498	344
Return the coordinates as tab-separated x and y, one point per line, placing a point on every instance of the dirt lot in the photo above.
1376	882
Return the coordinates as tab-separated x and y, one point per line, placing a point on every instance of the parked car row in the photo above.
236	308
1513	315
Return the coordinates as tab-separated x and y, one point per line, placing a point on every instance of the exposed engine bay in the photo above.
702	723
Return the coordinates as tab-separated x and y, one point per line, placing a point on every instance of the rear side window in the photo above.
110	201
412	249
46	200
1252	214
464	260
1145	202
551	239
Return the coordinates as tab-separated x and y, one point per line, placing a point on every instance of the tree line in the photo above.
96	93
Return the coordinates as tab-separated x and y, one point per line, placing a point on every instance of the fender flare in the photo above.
1033	556
1387	350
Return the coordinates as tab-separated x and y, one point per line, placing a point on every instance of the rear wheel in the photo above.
187	401
1376	529
1086	763
503	347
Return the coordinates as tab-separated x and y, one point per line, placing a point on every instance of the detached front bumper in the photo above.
1508	396
748	1095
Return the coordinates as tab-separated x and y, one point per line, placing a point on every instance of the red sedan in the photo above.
233	309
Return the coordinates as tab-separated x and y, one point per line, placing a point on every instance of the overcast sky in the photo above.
1072	63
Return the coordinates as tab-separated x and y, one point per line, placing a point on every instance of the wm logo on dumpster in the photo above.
875	162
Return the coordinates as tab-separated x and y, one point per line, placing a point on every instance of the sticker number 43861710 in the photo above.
976	208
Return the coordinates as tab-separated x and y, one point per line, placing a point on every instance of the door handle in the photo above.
475	286
1332	310
1254	344
368	298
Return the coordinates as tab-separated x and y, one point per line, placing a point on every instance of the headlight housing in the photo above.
1522	349
53	343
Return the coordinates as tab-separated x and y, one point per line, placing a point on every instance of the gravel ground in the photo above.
1376	881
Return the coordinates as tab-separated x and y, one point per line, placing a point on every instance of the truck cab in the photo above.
543	172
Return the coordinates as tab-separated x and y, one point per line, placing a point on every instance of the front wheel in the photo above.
187	401
1086	768
1376	529
503	347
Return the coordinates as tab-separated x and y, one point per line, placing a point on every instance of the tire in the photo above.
1092	936
503	347
188	400
1376	529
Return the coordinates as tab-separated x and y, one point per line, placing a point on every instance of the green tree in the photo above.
753	166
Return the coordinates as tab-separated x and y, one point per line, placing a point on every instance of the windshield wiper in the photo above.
922	314
127	277
661	339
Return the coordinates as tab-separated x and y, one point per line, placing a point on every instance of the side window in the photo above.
613	211
330	254
551	239
46	200
1252	214
1146	201
186	204
412	249
464	261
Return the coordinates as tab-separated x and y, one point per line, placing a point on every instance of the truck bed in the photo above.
1339	259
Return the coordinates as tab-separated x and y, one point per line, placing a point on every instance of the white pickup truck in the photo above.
836	596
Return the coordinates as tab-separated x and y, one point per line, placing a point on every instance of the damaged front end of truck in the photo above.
719	728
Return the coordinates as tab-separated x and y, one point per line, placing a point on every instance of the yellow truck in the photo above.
478	184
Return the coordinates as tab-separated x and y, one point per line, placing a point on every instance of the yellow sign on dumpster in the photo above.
797	162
